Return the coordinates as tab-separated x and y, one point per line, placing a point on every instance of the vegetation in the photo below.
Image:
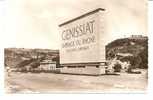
20	57
138	47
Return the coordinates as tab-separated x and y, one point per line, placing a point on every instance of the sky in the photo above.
34	23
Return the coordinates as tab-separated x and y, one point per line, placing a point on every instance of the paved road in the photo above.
49	82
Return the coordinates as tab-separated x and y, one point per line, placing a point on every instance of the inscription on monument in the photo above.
73	38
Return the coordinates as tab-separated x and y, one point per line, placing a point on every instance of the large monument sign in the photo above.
82	39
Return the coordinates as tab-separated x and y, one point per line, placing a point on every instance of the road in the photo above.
18	82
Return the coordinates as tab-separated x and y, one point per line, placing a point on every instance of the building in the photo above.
140	37
47	65
83	44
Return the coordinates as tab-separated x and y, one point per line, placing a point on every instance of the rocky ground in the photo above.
17	82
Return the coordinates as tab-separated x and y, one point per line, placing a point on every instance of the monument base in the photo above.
84	69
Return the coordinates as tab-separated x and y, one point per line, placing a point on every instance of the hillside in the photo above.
20	57
138	47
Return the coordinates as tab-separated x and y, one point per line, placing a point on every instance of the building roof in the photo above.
86	14
48	62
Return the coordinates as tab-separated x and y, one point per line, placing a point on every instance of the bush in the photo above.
117	68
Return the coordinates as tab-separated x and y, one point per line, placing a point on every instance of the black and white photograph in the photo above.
76	46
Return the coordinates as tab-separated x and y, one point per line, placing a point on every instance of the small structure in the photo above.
47	65
124	54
